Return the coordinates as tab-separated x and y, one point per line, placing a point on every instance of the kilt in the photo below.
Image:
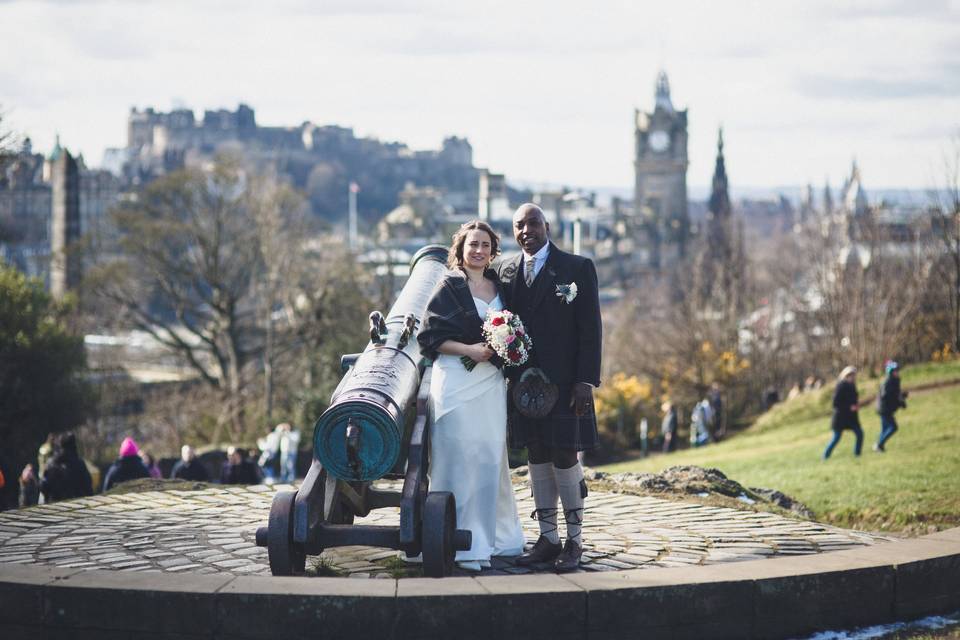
560	429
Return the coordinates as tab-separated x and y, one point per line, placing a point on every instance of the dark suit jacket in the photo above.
566	336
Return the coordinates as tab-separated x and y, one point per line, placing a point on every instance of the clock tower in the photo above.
660	195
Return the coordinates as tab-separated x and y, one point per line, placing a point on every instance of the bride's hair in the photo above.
455	258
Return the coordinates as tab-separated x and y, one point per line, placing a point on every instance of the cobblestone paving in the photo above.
212	531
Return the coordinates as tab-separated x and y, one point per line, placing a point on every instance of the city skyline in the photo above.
545	95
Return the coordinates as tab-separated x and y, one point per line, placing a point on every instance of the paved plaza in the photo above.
212	531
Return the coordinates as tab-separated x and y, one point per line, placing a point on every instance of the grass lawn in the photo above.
911	489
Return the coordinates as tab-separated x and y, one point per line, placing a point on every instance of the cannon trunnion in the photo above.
378	422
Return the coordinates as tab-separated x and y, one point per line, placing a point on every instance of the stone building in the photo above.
48	203
25	205
421	216
493	203
319	160
660	193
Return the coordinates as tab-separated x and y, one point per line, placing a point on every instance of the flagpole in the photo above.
352	233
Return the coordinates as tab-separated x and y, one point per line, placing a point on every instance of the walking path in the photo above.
212	532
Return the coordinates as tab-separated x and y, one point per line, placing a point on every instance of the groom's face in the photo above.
530	229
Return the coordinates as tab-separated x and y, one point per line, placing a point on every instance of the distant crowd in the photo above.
707	421
61	473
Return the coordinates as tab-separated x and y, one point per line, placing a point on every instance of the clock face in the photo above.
659	140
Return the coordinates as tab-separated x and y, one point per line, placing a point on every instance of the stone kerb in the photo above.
772	598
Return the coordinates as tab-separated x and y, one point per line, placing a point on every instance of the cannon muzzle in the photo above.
376	390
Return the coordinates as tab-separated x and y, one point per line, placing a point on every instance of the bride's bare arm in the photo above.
478	352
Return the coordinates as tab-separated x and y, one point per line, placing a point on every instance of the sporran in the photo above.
533	394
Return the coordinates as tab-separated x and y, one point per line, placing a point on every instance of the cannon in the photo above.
377	426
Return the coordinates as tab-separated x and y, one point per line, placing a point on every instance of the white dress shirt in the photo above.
540	259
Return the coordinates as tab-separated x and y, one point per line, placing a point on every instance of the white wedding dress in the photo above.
468	452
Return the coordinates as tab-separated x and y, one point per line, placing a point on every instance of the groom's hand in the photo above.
581	399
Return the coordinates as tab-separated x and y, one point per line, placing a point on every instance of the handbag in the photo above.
533	394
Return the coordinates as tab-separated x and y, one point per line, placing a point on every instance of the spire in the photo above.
719	204
57	149
854	198
662	100
827	197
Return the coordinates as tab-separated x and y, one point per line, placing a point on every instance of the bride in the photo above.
468	446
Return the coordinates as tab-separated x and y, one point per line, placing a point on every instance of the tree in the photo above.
41	366
221	267
676	344
198	250
321	313
946	226
7	137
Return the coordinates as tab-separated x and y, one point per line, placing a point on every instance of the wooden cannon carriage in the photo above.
377	426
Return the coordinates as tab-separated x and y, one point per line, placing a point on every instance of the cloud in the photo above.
880	88
895	9
460	38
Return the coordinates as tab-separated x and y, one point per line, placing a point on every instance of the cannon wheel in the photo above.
439	526
286	557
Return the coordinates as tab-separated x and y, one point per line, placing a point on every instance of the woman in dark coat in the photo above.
128	466
846	407
66	475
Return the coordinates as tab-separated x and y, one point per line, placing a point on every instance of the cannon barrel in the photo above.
359	436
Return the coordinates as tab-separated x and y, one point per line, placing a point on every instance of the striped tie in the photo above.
528	271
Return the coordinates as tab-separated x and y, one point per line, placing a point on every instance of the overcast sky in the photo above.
545	91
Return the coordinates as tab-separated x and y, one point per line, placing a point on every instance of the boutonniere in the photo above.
567	291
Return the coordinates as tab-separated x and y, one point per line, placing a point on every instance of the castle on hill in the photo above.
319	160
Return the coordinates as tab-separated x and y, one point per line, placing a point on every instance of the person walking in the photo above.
846	407
269	460
128	466
889	401
669	426
700	421
716	408
289	448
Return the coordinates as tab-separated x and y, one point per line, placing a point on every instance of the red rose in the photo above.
497	321
514	356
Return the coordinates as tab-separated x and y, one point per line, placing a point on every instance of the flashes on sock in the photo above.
570	485
544	484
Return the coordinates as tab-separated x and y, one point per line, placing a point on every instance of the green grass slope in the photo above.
913	488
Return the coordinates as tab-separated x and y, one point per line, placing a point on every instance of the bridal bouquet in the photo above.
507	336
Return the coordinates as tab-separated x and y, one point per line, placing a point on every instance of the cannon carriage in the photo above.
377	426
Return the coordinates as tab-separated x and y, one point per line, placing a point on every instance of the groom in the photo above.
563	321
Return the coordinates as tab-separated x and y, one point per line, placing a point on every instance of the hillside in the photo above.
912	488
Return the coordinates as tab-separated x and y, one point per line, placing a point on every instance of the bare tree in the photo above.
195	255
946	226
7	138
